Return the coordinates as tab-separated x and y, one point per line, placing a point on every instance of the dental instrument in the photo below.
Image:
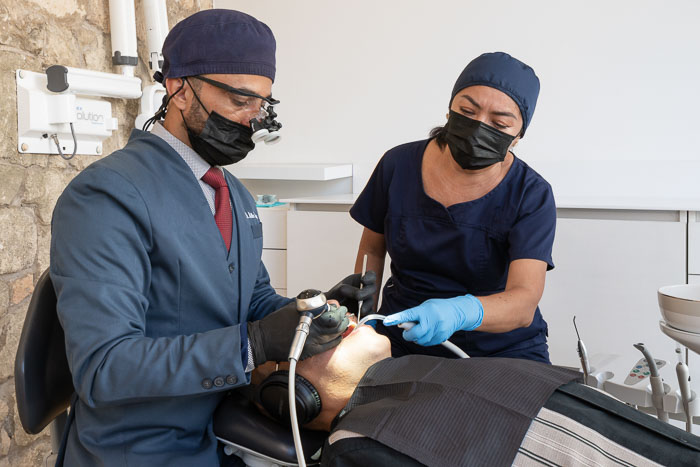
364	270
684	385
408	325
310	304
582	355
657	385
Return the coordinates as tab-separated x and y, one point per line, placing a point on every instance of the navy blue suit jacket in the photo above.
152	306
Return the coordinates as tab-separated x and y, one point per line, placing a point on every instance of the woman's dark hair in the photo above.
440	135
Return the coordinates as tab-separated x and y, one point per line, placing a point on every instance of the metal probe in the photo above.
364	271
582	355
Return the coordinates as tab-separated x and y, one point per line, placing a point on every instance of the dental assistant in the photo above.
468	226
156	262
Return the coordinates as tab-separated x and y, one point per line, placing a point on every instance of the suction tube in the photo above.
447	344
293	414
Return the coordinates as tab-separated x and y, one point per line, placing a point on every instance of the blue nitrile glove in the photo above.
439	318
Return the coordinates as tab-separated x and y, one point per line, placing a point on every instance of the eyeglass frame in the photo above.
241	92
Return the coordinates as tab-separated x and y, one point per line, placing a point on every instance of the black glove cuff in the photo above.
255	340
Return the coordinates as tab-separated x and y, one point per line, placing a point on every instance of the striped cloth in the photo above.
554	439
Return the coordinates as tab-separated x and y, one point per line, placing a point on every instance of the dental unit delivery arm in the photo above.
657	384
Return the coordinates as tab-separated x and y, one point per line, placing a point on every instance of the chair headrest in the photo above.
43	382
239	421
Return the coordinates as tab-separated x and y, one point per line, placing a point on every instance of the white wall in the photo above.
619	78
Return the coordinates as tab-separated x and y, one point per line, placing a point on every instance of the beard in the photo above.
196	117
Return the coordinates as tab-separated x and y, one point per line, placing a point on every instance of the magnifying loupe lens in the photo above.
273	138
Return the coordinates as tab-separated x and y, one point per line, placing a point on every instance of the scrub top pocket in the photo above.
435	255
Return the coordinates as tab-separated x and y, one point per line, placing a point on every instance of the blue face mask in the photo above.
473	144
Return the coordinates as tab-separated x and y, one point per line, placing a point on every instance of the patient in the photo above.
418	410
336	373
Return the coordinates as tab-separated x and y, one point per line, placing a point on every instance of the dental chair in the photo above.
44	388
43	384
258	440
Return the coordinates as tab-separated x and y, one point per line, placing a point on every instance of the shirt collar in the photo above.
193	160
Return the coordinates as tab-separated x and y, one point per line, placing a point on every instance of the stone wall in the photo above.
35	34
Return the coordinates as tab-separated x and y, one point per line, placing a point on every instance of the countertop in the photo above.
645	203
619	185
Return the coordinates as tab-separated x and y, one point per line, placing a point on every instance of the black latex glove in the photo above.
348	292
271	338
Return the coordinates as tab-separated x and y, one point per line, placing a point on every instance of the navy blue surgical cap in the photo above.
507	74
219	41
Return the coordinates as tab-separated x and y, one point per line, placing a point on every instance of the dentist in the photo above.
155	258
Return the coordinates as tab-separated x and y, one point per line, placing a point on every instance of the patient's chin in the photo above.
373	345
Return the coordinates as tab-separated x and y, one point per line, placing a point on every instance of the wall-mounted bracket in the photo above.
42	114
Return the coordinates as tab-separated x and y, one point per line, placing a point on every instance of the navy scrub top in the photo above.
439	252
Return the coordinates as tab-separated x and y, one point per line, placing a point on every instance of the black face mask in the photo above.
222	141
473	144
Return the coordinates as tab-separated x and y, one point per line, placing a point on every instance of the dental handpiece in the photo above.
310	304
686	394
582	355
657	384
408	325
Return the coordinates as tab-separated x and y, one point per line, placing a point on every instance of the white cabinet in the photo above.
276	263
274	222
274	254
608	266
323	248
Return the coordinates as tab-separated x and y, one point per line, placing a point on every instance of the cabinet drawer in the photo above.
276	264
694	243
693	279
274	223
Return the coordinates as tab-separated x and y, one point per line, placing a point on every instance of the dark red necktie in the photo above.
223	216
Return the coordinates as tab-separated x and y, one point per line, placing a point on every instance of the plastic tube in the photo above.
408	325
122	22
156	17
293	413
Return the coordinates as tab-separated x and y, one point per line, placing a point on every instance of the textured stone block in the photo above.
17	239
43	248
21	288
97	51
4	297
60	8
34	455
10	330
98	13
5	442
43	187
11	177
